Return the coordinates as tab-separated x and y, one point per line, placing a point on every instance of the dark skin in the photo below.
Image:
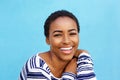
68	67
63	40
72	65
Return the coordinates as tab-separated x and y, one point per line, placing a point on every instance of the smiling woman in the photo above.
64	61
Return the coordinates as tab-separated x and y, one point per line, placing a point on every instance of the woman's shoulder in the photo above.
84	54
45	56
37	63
82	51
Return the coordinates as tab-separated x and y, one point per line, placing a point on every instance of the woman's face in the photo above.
63	38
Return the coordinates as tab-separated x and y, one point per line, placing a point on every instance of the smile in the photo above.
66	48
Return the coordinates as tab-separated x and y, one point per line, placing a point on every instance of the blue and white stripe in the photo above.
36	69
85	69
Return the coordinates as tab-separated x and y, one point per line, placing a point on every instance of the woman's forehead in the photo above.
63	22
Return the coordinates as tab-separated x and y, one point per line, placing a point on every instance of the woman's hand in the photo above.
71	66
78	52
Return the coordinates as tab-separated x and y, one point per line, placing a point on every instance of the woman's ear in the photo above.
47	41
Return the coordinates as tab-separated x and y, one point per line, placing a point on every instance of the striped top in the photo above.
37	69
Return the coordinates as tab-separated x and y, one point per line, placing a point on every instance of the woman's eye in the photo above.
57	35
73	33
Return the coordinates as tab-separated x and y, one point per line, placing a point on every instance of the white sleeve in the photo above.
68	76
85	69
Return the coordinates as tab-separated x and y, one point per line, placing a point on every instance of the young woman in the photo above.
64	61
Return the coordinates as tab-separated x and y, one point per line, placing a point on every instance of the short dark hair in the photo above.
55	15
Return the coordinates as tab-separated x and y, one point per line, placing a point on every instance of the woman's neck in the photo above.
57	66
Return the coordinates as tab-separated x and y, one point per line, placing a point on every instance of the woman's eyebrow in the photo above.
58	31
62	31
72	30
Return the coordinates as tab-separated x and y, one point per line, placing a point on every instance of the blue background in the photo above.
21	33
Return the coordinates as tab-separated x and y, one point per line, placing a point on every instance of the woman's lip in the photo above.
66	50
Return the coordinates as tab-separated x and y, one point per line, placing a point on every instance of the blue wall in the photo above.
21	33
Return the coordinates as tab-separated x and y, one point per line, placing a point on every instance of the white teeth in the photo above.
66	48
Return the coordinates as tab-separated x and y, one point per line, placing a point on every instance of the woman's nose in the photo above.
66	39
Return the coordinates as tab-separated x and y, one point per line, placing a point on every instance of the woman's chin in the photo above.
67	58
